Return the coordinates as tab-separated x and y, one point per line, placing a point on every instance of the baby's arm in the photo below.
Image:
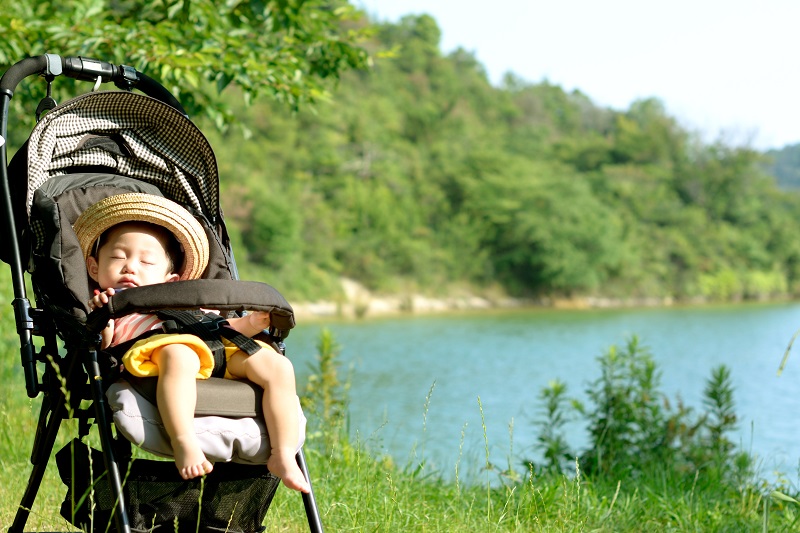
251	324
99	300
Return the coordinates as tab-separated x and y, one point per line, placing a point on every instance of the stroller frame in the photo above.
35	322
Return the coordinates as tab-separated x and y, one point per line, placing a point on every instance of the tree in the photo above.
197	48
547	232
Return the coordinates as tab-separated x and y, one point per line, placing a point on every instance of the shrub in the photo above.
634	428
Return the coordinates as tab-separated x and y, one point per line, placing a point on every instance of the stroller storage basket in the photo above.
233	498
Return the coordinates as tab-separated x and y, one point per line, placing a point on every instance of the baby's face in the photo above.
130	257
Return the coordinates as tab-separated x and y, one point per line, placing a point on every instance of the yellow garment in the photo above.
138	358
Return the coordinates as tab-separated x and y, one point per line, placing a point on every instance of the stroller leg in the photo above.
51	414
309	502
104	428
46	433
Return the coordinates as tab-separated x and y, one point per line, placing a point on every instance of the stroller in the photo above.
96	145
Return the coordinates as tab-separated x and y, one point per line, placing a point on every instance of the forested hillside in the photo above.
421	176
784	164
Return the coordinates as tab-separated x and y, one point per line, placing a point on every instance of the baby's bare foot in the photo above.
284	466
189	458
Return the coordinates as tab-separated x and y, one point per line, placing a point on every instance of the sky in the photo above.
726	70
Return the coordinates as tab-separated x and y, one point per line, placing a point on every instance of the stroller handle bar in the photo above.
86	69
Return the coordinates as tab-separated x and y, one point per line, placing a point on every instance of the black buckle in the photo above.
212	322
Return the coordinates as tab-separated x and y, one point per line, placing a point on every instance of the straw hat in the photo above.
140	207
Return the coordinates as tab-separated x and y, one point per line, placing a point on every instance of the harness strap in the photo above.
206	326
244	343
210	328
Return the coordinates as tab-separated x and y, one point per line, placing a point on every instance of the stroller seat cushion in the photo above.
241	440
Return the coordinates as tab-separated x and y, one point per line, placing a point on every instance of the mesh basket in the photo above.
233	498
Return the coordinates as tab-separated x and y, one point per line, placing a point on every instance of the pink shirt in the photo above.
131	326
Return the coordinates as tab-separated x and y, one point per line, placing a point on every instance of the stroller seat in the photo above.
97	145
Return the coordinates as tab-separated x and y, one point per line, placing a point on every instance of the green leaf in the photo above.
777	495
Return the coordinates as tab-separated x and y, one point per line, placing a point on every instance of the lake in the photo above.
441	388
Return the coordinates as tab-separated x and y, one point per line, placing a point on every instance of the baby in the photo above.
135	253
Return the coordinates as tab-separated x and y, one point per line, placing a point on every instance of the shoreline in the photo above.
358	302
388	306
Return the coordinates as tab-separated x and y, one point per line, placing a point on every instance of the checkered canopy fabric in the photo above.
152	142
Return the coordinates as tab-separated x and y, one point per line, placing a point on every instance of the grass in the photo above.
358	493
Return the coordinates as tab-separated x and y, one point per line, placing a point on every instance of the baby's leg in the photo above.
176	393
275	374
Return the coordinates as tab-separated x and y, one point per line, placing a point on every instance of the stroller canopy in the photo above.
128	134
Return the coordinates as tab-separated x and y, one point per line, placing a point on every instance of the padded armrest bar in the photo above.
224	295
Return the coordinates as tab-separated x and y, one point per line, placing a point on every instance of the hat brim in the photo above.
140	207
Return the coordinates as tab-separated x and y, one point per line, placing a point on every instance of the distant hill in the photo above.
784	164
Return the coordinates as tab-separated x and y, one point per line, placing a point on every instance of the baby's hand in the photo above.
250	324
100	298
259	320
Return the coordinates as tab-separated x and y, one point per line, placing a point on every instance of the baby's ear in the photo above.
172	277
91	267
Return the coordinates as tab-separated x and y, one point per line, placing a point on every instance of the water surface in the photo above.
442	387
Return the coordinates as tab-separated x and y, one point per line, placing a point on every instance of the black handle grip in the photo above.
21	70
